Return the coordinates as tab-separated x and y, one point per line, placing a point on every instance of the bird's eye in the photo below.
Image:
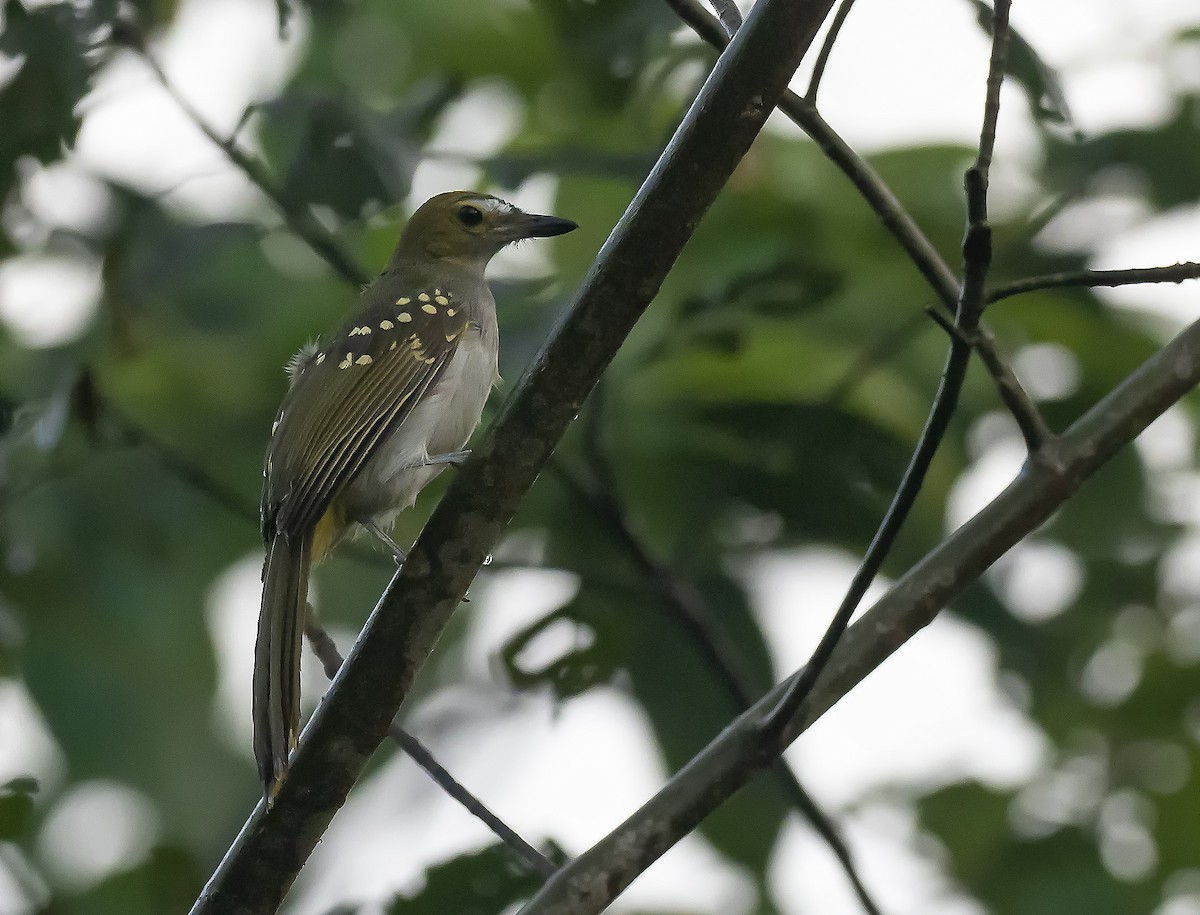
469	216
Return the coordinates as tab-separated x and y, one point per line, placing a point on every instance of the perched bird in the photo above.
374	411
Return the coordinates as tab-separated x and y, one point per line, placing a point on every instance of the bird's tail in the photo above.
277	658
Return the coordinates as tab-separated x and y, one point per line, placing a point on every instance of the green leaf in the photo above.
1159	159
612	41
344	155
38	106
480	883
1026	66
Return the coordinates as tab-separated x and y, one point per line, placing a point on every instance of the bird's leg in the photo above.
451	457
399	554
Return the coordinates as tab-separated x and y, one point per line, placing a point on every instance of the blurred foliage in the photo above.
768	401
16	807
474	884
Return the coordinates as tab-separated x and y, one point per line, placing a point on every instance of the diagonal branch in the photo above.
719	127
1048	480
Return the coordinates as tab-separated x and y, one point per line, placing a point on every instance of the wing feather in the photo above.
356	388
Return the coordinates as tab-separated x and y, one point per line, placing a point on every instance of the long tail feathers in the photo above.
277	659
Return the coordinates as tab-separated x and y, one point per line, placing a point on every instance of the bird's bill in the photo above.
531	225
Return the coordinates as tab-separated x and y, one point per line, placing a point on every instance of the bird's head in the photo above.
467	227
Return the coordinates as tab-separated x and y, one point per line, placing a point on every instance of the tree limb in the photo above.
378	674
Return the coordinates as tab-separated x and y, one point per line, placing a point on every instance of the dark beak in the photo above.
530	225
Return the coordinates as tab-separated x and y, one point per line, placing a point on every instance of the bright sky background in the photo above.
902	73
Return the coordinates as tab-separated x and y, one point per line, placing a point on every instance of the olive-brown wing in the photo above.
345	398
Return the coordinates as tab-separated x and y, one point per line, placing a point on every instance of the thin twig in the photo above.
976	259
1175	273
327	652
831	37
298	218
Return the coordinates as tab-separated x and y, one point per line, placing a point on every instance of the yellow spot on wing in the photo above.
424	297
429	309
392	347
441	300
359	330
364	359
429	361
414	342
386	325
451	312
403	300
450	337
404	317
347	362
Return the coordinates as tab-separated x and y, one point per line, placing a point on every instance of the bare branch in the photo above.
831	37
327	652
1048	480
991	105
1175	273
719	127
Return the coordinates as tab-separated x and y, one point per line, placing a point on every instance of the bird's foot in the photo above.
397	552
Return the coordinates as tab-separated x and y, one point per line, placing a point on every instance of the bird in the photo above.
373	411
